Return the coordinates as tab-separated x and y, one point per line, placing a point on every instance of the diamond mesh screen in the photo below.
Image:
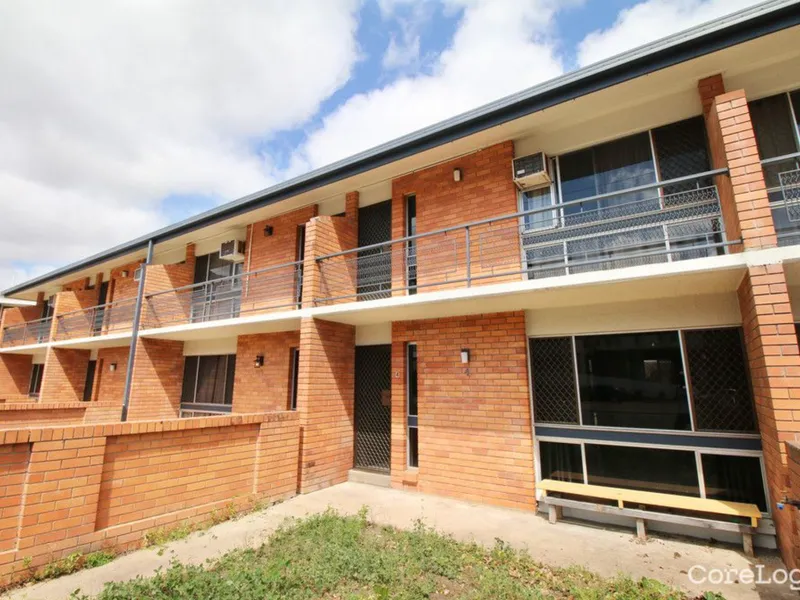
374	276
718	374
553	373
373	407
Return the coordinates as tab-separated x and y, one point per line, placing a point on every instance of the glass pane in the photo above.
189	379
211	380
413	447
680	151
648	469
229	378
555	397
562	462
412	380
295	378
534	199
632	380
773	127
89	383
734	478
718	374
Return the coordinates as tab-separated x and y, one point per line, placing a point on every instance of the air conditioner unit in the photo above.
137	274
232	250
531	171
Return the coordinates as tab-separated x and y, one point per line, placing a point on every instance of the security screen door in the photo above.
373	407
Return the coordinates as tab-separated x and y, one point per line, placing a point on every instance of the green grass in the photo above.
333	557
73	562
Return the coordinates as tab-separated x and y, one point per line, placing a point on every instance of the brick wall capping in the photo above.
11	406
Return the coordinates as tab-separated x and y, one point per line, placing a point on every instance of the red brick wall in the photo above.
325	402
793	452
486	190
475	439
157	380
109	386
15	377
27	414
774	360
105	486
12	315
64	376
328	235
266	388
173	308
121	286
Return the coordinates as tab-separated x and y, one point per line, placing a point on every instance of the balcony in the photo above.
668	221
114	317
270	289
782	177
27	333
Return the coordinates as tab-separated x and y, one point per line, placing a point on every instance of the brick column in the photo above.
157	380
64	376
326	402
774	360
15	376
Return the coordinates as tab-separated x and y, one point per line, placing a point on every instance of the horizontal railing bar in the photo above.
777	159
107	305
520	271
641	188
228	278
29	323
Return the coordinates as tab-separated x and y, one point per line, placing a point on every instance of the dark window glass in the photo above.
632	380
555	398
411	249
413	431
775	136
562	462
36	380
300	253
648	469
295	378
413	447
229	378
189	379
718	374
208	380
201	268
89	383
734	478
680	151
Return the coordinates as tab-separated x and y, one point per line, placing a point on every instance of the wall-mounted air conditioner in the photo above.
137	274
232	250
530	171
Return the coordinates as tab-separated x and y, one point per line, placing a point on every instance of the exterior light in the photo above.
259	361
112	367
456	174
267	230
465	356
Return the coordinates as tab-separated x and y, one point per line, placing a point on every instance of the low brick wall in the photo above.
33	414
793	454
85	488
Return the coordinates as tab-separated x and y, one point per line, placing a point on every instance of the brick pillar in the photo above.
774	359
157	380
15	376
64	376
328	235
732	144
325	403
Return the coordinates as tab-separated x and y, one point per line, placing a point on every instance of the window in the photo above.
412	405
632	380
36	380
220	297
295	373
208	383
681	150
555	398
562	462
89	383
734	478
411	247
300	253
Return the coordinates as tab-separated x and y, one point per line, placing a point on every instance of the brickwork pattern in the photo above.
15	377
267	388
486	190
26	414
475	439
85	488
793	452
64	376
326	402
157	380
109	386
172	307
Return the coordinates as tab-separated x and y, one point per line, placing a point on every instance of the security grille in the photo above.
374	278
553	372
373	407
790	188
718	374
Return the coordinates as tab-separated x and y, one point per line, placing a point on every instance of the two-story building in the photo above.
595	280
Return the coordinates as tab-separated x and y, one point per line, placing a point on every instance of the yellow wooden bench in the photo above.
638	498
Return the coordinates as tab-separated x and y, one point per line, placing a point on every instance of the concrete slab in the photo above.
602	550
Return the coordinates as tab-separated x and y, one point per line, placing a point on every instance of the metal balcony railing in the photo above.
273	288
113	317
30	332
782	178
671	220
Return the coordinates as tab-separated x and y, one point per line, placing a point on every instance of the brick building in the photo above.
595	281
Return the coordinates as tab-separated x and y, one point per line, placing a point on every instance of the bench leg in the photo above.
641	531
553	513
747	543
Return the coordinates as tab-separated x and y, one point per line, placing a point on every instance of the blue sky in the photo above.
189	105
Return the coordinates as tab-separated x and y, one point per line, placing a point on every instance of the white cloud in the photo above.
499	47
652	20
401	53
108	106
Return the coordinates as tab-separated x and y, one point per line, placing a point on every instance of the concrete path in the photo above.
601	550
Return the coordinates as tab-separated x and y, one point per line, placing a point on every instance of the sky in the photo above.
118	117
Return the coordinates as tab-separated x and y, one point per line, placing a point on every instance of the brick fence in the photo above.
66	489
27	414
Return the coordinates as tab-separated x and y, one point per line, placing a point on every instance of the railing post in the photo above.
469	257
126	398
